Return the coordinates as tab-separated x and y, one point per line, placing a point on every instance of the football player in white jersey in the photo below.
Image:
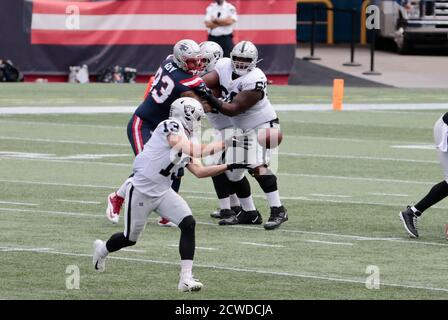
244	87
228	201
150	189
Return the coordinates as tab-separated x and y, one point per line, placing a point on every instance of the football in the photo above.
269	138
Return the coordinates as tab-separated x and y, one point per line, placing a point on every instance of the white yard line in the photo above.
62	124
318	176
330	242
263	245
356	237
133	250
64	213
20	203
71	161
253	271
329	195
278	107
200	248
305	137
415	146
65	141
305	155
388	194
79	201
10	249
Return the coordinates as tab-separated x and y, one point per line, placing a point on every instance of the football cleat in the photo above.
222	214
189	284
166	223
243	217
278	216
114	203
99	262
409	219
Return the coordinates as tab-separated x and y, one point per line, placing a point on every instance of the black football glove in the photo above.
205	93
232	166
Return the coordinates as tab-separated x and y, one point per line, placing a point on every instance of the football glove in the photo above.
205	93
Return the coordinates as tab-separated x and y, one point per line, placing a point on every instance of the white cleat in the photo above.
99	262
189	284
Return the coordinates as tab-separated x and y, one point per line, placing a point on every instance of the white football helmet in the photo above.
211	52
244	56
187	55
188	111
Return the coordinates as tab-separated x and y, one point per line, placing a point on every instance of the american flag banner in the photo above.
140	33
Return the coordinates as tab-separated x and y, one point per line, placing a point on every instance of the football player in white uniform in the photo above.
244	87
150	189
228	201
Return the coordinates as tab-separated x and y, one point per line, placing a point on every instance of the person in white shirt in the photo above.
220	19
169	149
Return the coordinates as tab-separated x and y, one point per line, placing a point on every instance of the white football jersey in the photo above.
219	121
155	164
259	113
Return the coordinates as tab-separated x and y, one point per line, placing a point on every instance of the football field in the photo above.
343	176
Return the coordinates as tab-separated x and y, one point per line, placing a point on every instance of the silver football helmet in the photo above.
211	52
244	56
187	55
188	111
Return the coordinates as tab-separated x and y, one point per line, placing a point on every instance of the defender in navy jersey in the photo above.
176	77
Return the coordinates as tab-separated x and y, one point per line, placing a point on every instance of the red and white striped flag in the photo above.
156	22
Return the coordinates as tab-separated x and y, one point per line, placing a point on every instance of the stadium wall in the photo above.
134	33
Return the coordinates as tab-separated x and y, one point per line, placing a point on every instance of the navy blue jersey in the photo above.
169	83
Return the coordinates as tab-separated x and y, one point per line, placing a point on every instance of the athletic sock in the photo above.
234	201
186	267
224	203
437	193
274	199
247	204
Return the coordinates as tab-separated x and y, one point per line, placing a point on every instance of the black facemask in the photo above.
220	2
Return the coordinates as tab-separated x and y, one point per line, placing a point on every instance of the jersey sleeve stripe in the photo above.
192	82
136	132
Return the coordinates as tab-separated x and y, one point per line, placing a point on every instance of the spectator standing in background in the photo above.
220	19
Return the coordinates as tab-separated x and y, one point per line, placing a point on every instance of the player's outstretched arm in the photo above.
196	168
195	150
240	103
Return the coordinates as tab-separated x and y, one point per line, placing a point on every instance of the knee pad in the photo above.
267	182
235	175
187	223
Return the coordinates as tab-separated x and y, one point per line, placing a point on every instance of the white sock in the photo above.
186	267
234	201
103	250
247	204
224	203
414	209
274	199
122	191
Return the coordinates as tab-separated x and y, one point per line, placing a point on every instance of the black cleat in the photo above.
278	216
243	217
222	214
409	219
